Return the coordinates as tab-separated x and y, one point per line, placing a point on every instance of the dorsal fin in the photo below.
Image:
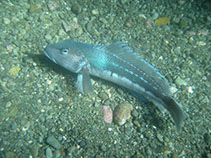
123	51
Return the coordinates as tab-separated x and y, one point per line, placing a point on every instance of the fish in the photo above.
120	64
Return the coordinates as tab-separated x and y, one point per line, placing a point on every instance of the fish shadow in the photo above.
48	66
46	63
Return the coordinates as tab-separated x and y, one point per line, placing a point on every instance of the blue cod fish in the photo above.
119	64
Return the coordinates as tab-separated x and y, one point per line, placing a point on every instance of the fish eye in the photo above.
64	51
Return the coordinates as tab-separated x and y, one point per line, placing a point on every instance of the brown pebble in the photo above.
52	5
162	21
122	113
129	23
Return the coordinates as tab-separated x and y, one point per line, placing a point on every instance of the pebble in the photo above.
57	154
209	18
48	37
183	24
95	12
124	1
76	9
12	111
49	153
9	154
207	138
35	8
177	50
6	21
162	21
72	27
103	96
180	82
155	15
135	113
52	5
160	137
53	142
66	26
122	113
35	150
62	32
103	148
136	123
201	43
14	71
181	2
107	114
89	26
142	16
128	23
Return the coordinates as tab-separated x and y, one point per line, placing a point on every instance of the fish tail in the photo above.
175	111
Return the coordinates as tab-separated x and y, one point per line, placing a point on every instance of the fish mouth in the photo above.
50	56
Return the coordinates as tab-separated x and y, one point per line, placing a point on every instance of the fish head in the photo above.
65	55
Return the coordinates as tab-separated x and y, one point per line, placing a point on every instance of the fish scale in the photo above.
128	69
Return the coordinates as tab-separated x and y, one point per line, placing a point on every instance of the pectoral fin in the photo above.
83	83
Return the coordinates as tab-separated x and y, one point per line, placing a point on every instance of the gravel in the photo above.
43	115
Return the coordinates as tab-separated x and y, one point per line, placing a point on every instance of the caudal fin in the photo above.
175	111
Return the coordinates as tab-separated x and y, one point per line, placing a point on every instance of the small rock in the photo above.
35	8
160	137
95	12
128	23
155	16
103	96
49	153
136	123
148	24
66	26
122	113
183	24
180	82
9	154
135	113
12	111
177	50
107	114
14	71
53	142
6	21
52	5
72	27
124	1
89	27
201	43
76	9
207	138
48	37
181	2
162	21
57	154
103	148
35	150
